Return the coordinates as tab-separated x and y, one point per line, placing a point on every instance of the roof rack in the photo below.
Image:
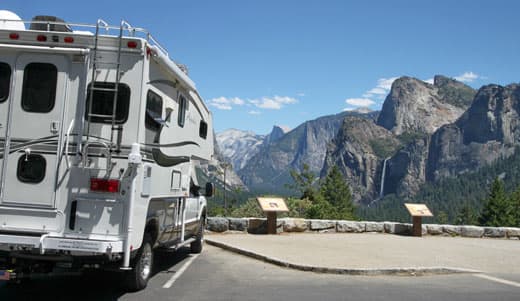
110	30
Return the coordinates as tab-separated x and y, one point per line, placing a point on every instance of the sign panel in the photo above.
418	209
272	204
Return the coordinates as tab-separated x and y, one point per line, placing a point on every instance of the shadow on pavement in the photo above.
92	285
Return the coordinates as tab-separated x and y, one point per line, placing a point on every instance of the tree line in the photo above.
489	196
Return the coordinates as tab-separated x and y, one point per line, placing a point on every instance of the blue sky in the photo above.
261	63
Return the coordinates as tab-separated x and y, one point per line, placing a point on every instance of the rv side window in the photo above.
103	102
5	81
182	111
203	129
39	87
154	105
31	168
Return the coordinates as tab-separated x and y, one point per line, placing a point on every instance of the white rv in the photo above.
100	134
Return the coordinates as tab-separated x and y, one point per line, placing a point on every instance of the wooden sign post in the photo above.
417	211
271	206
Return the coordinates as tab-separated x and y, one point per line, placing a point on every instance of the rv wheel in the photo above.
142	264
196	246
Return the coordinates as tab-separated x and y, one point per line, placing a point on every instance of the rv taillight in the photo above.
104	185
132	44
14	36
68	39
41	38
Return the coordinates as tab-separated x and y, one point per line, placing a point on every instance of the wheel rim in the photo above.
146	261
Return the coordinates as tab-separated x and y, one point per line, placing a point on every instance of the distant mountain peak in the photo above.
238	146
276	133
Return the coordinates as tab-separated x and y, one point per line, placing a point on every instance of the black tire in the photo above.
142	264
196	246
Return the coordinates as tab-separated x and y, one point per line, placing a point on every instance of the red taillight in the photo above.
41	38
132	44
104	185
68	40
14	36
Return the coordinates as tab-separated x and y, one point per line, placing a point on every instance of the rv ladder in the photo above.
117	68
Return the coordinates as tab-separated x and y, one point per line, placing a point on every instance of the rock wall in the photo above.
259	226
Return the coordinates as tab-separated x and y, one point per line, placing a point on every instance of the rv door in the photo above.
32	125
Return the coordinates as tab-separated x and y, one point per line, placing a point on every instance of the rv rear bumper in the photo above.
46	243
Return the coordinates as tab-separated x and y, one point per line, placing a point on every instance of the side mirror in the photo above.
210	189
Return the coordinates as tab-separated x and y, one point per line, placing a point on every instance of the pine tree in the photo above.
515	206
497	210
466	216
304	183
337	193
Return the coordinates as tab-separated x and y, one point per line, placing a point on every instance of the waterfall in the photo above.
381	192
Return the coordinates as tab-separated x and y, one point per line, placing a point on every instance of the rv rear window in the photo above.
39	87
154	105
103	102
31	168
5	81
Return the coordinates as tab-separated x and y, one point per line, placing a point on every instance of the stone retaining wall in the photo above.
259	226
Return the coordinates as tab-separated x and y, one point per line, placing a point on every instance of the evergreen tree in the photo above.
515	206
497	210
466	216
442	217
304	183
337	193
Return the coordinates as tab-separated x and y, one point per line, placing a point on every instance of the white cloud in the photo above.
253	112
467	77
360	102
301	94
430	81
381	89
273	103
224	103
377	90
348	109
386	83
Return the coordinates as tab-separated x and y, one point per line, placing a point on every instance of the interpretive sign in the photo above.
417	211
272	204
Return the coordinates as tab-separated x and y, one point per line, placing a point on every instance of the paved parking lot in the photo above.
221	275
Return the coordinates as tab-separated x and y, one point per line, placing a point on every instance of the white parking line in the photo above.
499	280
178	273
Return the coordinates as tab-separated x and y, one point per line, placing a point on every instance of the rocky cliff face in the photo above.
359	150
406	169
416	106
489	129
454	92
270	168
412	111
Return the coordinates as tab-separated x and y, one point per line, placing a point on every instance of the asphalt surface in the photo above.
221	275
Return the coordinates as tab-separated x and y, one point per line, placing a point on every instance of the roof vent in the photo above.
48	23
10	20
183	68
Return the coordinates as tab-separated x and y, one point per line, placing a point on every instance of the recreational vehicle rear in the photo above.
100	135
